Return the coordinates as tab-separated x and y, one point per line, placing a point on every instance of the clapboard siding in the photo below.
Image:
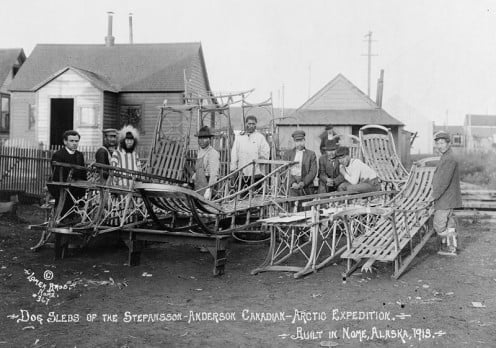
19	122
339	94
150	108
71	85
110	110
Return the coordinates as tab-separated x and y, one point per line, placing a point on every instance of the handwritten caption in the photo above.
302	319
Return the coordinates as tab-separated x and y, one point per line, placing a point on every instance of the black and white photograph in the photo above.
233	173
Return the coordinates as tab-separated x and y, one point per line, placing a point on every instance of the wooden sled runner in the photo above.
379	153
181	214
395	232
307	241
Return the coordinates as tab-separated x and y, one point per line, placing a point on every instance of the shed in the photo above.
89	87
343	105
10	62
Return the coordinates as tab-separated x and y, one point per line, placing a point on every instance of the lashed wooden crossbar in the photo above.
230	199
400	225
168	158
379	153
313	235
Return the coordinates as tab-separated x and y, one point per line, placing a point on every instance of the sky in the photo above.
439	57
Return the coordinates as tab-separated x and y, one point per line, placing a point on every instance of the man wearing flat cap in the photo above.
301	174
329	176
207	163
359	177
104	153
446	195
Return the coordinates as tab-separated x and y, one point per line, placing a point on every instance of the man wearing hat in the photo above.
329	176
359	177
207	163
104	153
328	134
301	174
446	194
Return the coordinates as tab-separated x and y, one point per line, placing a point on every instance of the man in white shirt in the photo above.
359	177
249	145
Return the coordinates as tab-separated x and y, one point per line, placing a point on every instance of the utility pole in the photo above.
309	79
369	55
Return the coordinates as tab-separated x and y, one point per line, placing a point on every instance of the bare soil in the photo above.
439	302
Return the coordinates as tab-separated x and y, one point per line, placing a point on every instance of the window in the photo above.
32	118
456	140
131	114
5	113
88	116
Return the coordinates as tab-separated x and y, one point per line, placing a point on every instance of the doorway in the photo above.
61	118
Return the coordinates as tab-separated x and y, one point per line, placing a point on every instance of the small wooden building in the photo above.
347	108
10	62
92	87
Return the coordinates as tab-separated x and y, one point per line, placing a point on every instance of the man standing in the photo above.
360	178
301	174
329	134
207	163
329	176
104	153
68	154
248	146
446	195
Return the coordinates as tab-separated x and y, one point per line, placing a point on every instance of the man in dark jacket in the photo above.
446	194
68	154
302	173
329	176
104	153
328	134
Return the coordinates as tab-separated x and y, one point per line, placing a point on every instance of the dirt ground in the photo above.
172	300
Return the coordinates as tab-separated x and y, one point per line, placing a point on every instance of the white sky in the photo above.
438	56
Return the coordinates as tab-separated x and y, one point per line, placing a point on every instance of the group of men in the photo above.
337	171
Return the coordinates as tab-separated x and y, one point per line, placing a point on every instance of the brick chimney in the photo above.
109	39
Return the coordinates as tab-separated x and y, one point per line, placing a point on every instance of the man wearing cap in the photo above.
446	194
207	163
104	153
328	134
248	146
359	177
301	174
329	176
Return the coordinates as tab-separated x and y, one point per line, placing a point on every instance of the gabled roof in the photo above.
8	58
340	118
339	94
480	120
126	67
97	81
340	102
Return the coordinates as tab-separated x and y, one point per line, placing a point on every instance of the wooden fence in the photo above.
27	169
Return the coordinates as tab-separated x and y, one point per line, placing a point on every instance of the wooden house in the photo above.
92	87
480	132
347	108
10	62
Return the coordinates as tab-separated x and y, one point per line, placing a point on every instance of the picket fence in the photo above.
25	168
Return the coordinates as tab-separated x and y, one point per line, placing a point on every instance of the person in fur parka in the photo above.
126	156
